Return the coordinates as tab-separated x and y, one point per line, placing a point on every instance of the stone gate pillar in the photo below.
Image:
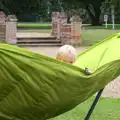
71	33
67	33
58	19
2	27
54	23
11	29
76	31
61	20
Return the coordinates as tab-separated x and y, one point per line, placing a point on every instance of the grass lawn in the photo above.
106	109
92	36
49	26
109	26
33	26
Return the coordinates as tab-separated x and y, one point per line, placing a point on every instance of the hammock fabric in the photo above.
37	87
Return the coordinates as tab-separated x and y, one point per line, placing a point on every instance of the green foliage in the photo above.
3	5
43	8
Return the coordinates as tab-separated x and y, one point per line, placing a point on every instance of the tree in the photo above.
22	7
92	6
45	7
3	6
94	10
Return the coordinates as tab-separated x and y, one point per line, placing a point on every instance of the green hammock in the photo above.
36	87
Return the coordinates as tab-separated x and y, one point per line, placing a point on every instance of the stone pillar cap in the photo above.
11	18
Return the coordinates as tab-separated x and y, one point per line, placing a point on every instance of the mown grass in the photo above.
49	26
109	27
106	109
92	36
33	26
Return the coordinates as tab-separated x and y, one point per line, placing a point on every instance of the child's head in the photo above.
67	53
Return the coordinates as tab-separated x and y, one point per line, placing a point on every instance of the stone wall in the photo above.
57	20
67	33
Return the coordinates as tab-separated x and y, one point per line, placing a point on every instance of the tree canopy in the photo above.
43	8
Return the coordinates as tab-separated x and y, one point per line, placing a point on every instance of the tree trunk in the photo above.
96	20
96	16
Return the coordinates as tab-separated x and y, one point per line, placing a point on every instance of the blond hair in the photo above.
67	53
